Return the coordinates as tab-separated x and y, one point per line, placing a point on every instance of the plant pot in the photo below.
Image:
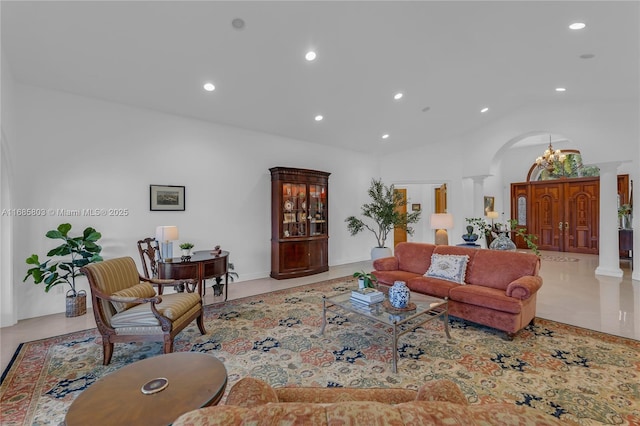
379	252
186	252
76	304
361	283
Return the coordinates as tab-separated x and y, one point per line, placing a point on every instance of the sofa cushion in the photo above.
448	267
414	257
389	277
491	268
486	297
173	306
250	392
431	286
142	290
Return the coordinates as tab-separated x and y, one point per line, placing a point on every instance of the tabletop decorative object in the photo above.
399	295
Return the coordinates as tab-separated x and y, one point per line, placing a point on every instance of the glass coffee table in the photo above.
427	309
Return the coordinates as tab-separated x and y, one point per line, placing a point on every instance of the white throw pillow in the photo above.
448	267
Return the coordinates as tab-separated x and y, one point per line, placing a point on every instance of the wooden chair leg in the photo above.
107	350
200	322
168	344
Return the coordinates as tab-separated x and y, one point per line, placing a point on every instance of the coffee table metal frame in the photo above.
400	321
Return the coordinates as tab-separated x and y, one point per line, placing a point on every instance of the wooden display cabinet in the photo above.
299	222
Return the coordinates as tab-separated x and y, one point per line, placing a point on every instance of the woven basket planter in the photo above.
76	305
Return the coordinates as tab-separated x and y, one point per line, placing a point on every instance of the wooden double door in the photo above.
563	214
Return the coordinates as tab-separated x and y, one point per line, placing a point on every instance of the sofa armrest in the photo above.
524	287
386	264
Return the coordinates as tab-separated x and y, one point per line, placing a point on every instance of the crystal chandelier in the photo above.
550	158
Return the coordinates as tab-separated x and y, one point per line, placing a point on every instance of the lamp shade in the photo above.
441	221
492	215
166	233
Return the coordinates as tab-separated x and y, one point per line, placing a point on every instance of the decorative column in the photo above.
609	254
478	194
609	304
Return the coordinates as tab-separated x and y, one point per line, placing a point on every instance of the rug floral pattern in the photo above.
577	375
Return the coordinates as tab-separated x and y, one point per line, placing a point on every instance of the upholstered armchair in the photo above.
128	309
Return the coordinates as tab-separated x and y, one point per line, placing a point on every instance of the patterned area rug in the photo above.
577	375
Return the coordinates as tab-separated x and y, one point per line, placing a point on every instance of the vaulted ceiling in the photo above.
449	60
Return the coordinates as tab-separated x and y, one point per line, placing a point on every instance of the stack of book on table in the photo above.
367	296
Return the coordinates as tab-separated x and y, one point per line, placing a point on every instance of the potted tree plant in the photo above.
77	252
383	212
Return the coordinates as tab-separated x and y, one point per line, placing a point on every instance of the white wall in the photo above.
7	133
80	153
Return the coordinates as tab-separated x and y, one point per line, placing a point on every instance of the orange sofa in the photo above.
254	402
496	288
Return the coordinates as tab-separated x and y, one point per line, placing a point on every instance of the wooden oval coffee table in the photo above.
195	380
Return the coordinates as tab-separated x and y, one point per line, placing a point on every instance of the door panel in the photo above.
520	211
441	199
294	255
582	217
563	214
400	235
546	216
318	250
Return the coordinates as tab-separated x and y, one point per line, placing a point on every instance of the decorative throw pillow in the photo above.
448	267
138	290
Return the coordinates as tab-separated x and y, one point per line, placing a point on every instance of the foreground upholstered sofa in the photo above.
494	288
254	402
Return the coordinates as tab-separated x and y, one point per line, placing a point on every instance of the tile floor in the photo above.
571	293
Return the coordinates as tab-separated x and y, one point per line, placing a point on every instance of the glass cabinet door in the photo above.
294	210
317	210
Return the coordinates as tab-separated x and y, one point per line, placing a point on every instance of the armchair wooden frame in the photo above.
101	302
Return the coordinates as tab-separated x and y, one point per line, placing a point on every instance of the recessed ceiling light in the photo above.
398	96
237	23
310	56
561	89
209	87
318	118
385	136
577	25
485	109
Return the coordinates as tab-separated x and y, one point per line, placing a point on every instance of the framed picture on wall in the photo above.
489	204
166	198
415	207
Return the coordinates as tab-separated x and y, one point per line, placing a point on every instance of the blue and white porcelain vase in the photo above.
399	295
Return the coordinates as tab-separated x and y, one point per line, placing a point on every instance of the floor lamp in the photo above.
165	235
441	222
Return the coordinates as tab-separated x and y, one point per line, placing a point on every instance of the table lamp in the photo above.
441	222
492	216
165	235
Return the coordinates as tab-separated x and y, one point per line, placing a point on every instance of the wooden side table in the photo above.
625	240
195	380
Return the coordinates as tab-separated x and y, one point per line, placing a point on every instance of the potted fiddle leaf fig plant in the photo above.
382	215
75	252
